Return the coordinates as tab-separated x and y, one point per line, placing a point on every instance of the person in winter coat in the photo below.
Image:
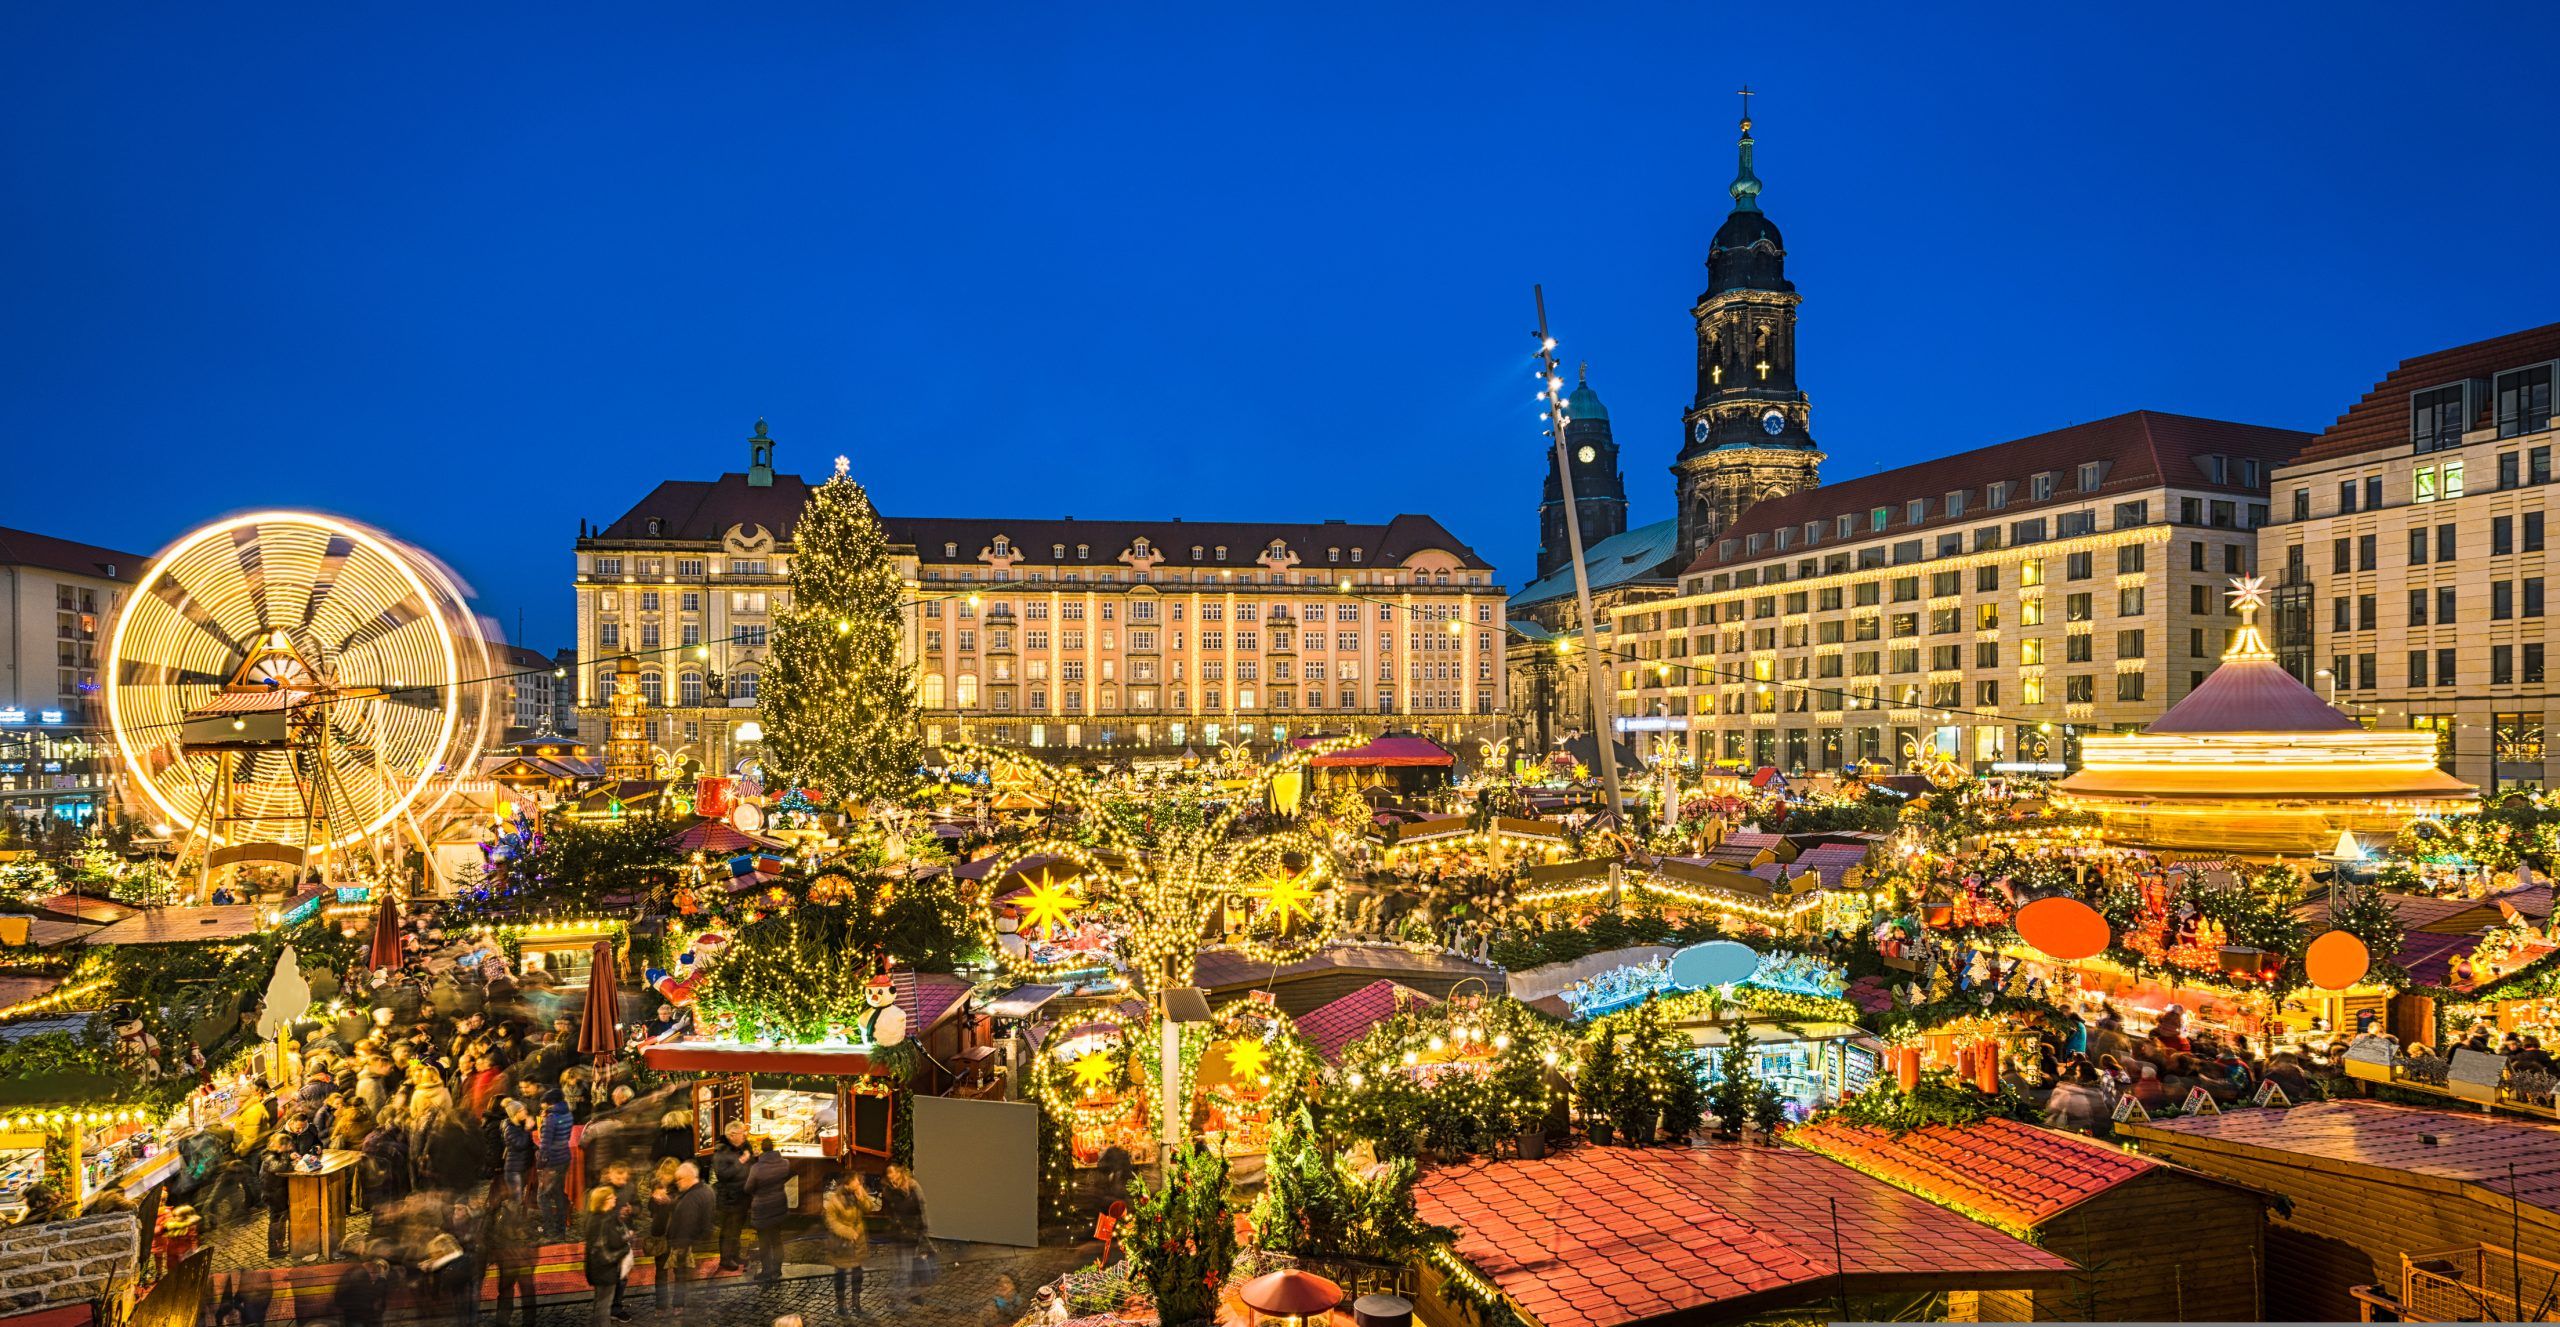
675	1137
2077	1104
516	1141
450	1282
690	1221
729	1179
608	1254
386	1162
552	1150
511	1241
364	1289
275	1172
768	1205
661	1198
846	1213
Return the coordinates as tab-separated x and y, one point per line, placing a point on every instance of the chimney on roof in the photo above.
760	459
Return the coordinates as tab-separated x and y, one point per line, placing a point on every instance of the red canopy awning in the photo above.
717	838
1387	753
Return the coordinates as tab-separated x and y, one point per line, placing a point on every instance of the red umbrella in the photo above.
386	931
597	1034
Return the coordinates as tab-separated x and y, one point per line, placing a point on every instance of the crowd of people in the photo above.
483	1135
2084	1070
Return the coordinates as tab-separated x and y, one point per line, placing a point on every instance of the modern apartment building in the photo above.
1066	635
2409	553
1987	606
57	596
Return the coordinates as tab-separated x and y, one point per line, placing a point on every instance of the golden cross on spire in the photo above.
1745	94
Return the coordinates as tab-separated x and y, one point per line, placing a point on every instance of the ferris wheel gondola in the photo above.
292	689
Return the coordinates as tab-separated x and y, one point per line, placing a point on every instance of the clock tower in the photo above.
1599	491
1746	435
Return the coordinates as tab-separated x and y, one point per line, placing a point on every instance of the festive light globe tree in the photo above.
839	706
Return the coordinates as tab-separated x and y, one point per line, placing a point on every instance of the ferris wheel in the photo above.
287	688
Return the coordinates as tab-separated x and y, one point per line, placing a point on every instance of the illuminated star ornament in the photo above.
1285	894
2248	594
1247	1060
1093	1072
1051	902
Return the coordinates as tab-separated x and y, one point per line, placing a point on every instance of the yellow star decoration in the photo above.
1049	905
1284	894
1093	1071
1247	1060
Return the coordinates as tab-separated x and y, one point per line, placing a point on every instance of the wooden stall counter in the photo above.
319	1202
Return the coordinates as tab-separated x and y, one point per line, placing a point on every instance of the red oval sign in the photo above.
2064	928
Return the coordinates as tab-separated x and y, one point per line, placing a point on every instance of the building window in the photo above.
2437	417
742	686
653	689
2517	738
689	688
2524	401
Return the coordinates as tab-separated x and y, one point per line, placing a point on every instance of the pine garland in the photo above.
838	701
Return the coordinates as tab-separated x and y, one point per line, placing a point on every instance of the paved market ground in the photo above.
961	1293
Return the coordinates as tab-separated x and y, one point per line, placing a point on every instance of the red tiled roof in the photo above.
1331	1028
2142	449
26	548
1600	1236
2428	956
2339	1135
1223	966
2014	1175
927	996
2380	421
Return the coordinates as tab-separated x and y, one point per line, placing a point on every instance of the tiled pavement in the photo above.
961	1294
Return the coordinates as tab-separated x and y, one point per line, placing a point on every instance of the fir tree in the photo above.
839	705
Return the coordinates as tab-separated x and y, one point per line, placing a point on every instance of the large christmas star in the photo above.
1246	1060
1284	894
1050	903
1093	1071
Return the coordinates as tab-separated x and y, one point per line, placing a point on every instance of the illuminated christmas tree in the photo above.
839	705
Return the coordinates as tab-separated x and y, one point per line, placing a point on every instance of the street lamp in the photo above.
2318	674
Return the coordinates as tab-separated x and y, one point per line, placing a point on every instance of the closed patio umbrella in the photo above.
598	1033
386	932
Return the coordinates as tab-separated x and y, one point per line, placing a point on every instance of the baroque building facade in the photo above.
1064	635
2408	555
1986	607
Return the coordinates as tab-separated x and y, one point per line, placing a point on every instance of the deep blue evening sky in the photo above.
472	275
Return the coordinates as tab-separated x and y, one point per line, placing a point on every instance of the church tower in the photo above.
1599	491
1748	436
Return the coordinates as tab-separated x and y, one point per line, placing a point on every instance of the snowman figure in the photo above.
882	1022
136	1048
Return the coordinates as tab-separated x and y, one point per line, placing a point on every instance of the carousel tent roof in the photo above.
1584	750
2252	696
718	838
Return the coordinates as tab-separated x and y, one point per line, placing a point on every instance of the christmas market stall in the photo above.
1613	1236
1091	1074
1407	762
2386	1213
2154	1242
1787	1010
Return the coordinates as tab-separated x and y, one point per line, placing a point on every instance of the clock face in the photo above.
1587	455
1700	432
1773	423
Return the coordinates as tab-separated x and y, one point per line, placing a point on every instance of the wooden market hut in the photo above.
1407	762
1616	1236
2154	1242
2381	1202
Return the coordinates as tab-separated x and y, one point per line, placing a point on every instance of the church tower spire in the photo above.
1748	433
1599	490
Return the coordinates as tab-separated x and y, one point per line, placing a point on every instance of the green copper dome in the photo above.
1584	403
